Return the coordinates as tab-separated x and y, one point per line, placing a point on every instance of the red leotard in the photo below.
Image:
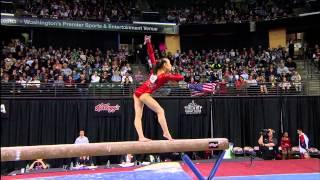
148	86
285	143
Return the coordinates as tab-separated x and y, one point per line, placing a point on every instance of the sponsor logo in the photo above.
8	21
213	145
193	108
106	107
3	109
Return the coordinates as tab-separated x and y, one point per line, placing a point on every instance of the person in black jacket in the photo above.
268	144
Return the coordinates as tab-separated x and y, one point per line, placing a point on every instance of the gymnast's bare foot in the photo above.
144	139
168	136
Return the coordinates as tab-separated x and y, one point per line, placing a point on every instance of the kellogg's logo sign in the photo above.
106	107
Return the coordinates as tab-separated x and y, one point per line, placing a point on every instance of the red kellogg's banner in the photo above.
106	108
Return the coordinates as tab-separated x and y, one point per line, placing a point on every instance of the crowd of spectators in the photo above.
206	11
33	67
316	57
264	69
96	10
195	11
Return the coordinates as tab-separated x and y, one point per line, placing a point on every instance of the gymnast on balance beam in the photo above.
159	75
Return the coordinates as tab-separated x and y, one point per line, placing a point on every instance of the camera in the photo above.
264	132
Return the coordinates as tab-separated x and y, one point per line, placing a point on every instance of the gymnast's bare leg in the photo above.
148	100
138	107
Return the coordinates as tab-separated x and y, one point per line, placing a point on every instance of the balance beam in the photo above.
18	153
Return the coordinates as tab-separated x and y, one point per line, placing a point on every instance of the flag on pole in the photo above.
202	89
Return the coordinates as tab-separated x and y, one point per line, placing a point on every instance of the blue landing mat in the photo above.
303	176
169	174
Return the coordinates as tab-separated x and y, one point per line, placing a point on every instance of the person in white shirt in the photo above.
296	78
95	78
116	78
303	144
283	70
252	81
22	82
285	85
34	82
245	75
127	75
82	139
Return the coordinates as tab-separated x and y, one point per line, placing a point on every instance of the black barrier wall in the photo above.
240	119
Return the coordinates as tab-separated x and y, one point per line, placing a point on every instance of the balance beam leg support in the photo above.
216	165
193	168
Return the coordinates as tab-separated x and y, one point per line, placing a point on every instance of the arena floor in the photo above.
282	169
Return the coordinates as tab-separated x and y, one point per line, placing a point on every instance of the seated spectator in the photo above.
116	78
66	71
284	84
95	78
82	139
21	82
106	67
59	82
296	79
272	81
223	87
245	75
138	77
292	66
251	81
127	78
70	83
83	84
285	146
241	84
38	164
316	57
263	85
75	75
271	71
33	83
106	77
283	70
127	159
125	69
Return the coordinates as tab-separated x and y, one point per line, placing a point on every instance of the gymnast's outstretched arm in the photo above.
150	50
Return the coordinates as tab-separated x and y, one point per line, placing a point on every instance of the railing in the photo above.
116	90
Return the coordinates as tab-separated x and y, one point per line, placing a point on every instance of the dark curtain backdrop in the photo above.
304	113
240	119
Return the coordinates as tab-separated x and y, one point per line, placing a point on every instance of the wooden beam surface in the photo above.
18	153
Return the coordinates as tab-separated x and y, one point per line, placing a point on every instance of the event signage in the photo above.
88	25
106	108
4	109
193	108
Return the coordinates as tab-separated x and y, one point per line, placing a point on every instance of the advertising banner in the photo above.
106	107
193	107
88	25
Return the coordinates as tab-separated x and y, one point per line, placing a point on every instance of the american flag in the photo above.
202	89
